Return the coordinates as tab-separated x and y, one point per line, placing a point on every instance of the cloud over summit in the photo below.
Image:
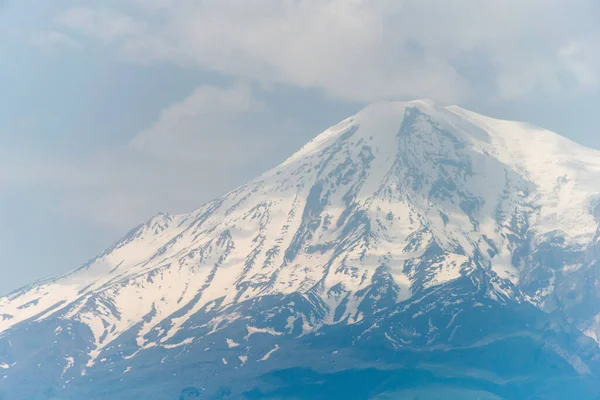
366	50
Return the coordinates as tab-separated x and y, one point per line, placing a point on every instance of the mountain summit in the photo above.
421	249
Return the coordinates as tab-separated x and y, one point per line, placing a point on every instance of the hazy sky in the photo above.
114	110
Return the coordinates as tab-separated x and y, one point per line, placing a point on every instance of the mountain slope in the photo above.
422	230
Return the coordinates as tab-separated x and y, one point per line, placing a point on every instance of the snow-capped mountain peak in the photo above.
379	210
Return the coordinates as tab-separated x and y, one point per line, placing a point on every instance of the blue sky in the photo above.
111	111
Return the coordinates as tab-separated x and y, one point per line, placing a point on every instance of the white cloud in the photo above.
53	40
575	57
209	122
101	23
365	49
